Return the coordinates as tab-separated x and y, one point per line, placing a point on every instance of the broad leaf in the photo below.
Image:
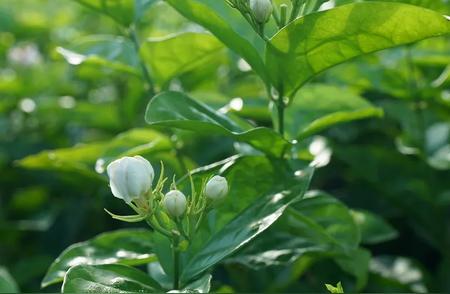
228	26
374	229
318	107
108	278
319	223
91	159
176	110
202	285
246	226
131	247
356	263
7	283
172	56
124	12
319	41
113	52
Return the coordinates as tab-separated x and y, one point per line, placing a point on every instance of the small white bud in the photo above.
175	203
130	177
261	9
216	188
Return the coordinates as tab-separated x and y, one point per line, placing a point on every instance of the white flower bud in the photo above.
130	177
175	203
261	9
216	188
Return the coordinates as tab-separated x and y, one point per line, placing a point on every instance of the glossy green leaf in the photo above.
7	283
174	55
246	226
131	247
116	53
319	223
176	110
374	229
316	42
228	26
124	12
108	278
202	285
319	106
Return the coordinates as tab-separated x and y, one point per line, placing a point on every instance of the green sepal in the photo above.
127	218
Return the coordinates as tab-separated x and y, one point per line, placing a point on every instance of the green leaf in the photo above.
246	226
228	26
317	107
91	159
319	223
333	289
124	12
374	229
131	247
320	219
174	55
176	110
202	285
437	145
318	41
7	283
356	263
108	278
108	51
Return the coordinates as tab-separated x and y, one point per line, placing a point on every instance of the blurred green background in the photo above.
52	96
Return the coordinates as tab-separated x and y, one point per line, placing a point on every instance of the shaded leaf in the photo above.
7	283
228	26
318	107
374	229
109	51
176	110
124	12
356	263
172	56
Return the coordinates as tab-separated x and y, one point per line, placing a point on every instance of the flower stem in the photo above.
176	263
280	114
146	74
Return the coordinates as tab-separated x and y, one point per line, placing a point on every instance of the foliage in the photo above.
336	153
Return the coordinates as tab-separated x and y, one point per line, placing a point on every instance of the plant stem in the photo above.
413	92
295	9
280	114
176	263
150	85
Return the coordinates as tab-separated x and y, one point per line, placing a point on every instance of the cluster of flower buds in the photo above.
261	10
256	12
131	179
